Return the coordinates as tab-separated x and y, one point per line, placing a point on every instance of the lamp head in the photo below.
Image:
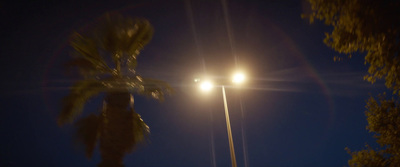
206	86
238	78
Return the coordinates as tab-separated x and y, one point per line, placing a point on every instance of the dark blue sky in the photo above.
300	108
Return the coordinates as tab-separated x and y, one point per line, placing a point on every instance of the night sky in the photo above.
297	108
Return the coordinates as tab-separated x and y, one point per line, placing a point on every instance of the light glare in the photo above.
238	78
206	86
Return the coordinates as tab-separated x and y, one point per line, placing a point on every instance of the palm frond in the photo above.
119	34
123	37
156	89
131	63
122	84
108	33
86	48
86	68
81	92
139	36
141	131
88	132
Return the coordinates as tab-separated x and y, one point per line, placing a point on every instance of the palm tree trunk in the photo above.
116	136
117	59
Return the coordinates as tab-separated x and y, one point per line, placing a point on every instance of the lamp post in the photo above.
207	86
228	127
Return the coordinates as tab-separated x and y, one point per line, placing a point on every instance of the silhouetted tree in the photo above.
366	26
106	58
383	118
372	28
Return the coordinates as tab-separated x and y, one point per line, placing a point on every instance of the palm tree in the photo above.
106	59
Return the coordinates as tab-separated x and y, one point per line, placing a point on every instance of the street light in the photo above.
238	78
207	86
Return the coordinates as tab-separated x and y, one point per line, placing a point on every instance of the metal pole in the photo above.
228	127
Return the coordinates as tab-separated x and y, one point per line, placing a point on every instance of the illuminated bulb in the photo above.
206	86
238	78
